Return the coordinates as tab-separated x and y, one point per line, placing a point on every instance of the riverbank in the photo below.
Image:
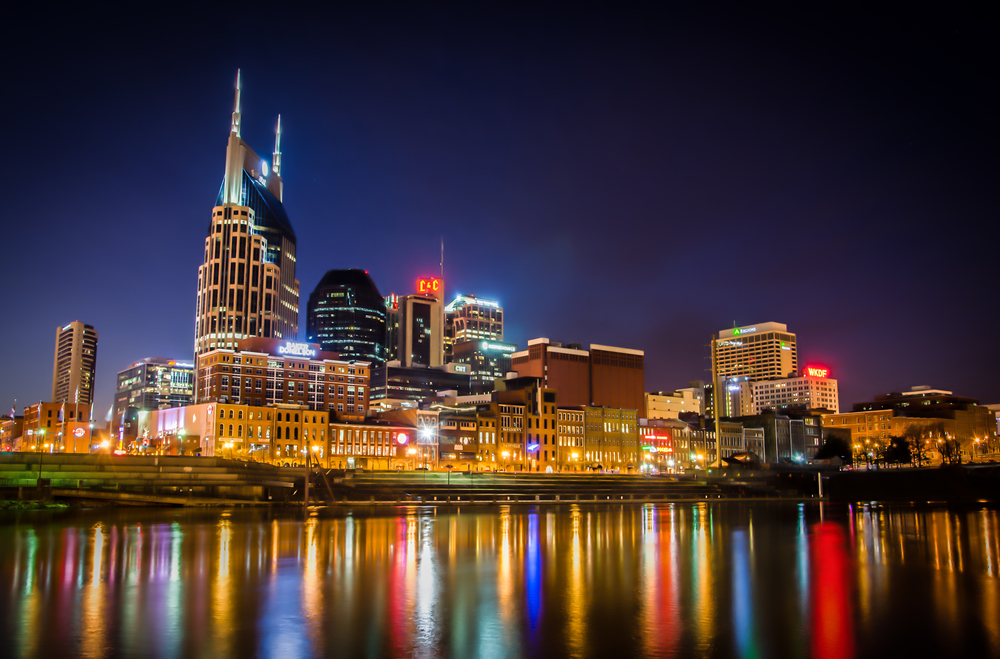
954	484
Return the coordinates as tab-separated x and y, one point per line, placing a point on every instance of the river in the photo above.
723	579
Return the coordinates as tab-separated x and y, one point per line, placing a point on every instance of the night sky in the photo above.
614	175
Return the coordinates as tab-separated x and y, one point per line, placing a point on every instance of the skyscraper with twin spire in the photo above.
247	285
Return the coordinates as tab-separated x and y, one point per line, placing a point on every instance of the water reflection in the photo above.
735	580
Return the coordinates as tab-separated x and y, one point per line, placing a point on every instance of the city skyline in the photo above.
843	279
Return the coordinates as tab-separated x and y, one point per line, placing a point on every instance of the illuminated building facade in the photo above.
933	411
752	353
247	285
468	318
74	364
11	429
601	376
671	404
814	389
421	325
487	361
278	434
262	372
151	384
611	438
346	314
571	439
510	444
373	444
57	428
539	450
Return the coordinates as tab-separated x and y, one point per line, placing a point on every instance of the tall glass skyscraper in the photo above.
247	285
347	315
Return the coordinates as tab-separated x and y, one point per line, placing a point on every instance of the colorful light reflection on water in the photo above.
726	579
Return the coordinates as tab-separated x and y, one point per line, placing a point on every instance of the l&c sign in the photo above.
429	285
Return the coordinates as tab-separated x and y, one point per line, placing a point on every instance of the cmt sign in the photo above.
430	286
817	372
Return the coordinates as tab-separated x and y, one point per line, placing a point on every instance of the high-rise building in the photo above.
74	364
468	318
814	389
421	325
247	285
751	353
601	376
487	360
391	327
155	383
347	315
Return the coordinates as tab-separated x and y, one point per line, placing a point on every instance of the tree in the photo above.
951	451
898	451
836	447
914	437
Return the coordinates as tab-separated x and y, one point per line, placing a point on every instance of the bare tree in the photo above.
914	436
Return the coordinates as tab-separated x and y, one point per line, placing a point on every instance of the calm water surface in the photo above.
726	579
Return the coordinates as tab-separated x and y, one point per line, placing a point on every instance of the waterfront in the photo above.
706	579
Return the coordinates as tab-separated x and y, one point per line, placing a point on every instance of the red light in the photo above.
817	371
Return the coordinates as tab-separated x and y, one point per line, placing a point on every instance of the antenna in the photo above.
236	108
442	260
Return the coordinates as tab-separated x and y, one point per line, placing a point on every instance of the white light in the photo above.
263	168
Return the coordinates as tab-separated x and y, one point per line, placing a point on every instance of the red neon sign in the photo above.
429	285
817	372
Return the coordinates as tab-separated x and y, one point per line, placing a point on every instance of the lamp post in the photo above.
40	437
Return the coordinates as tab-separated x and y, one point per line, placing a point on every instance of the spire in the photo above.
236	110
277	149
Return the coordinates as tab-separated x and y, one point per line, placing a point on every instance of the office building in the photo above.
752	353
246	284
931	411
671	404
487	361
347	315
421	325
74	364
391	327
468	318
267	372
601	376
152	384
393	385
814	389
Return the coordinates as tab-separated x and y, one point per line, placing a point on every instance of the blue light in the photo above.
532	447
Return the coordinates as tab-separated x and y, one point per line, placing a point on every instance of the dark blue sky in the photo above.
624	176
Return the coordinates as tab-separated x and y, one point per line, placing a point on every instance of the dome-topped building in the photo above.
347	315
